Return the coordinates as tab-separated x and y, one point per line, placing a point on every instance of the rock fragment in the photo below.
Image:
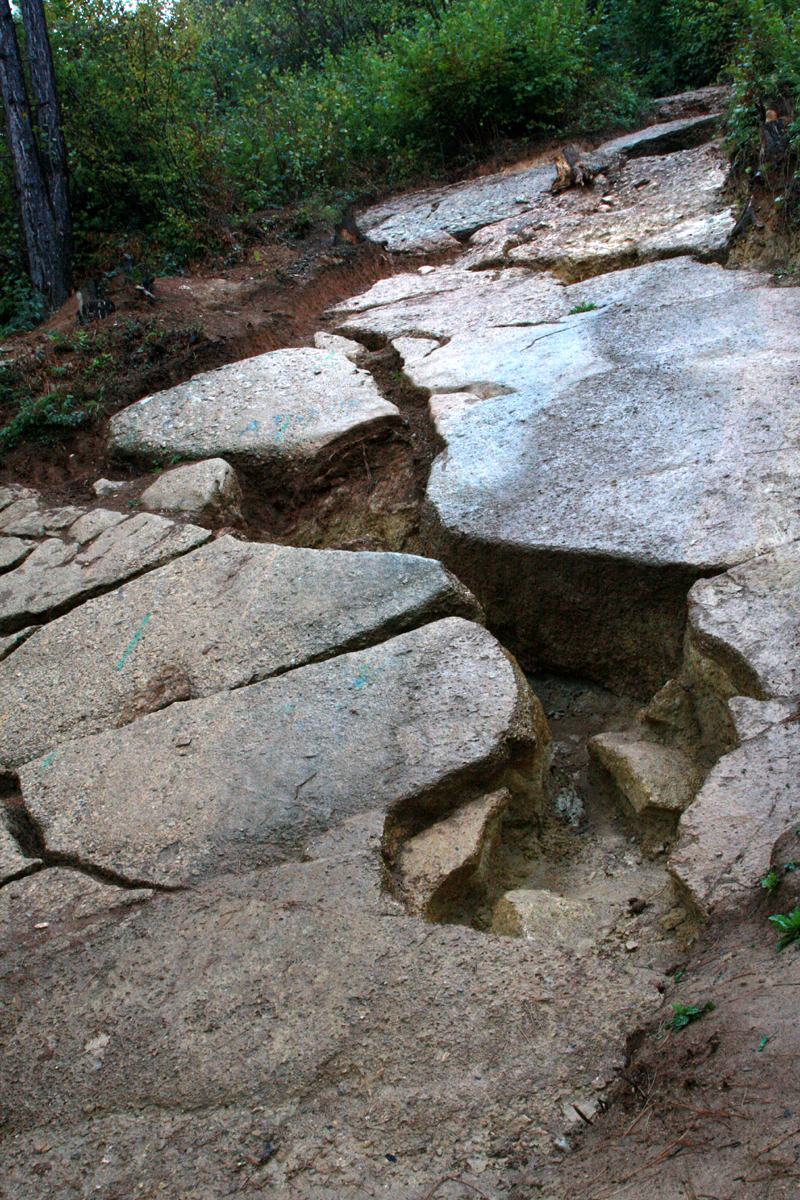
206	489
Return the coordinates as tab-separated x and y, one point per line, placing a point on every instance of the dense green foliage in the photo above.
181	118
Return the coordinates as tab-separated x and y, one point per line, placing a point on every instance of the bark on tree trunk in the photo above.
47	239
52	150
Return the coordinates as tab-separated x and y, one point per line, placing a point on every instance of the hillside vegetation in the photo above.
184	119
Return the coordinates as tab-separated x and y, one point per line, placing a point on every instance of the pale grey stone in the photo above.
60	574
659	208
13	640
614	455
228	614
543	917
94	523
341	345
209	489
412	725
753	717
442	218
13	551
280	409
747	621
746	803
451	301
106	487
38	522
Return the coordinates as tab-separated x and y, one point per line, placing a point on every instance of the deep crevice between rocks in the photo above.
29	836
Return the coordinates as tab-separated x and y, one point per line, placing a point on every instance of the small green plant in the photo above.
584	306
771	881
788	927
686	1013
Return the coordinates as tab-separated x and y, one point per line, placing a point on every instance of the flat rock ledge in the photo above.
604	447
444	218
77	554
226	615
280	410
414	727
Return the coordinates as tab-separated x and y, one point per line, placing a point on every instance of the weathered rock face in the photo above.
208	489
417	725
437	220
652	778
279	410
228	614
657	208
440	865
202	1007
747	623
746	803
609	458
98	550
544	918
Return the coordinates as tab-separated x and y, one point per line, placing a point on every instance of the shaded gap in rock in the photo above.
29	836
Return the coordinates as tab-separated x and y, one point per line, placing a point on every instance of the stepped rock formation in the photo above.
273	911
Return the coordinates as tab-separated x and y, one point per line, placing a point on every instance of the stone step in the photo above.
413	727
281	410
452	857
228	614
654	779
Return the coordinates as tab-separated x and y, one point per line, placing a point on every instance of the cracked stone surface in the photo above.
747	622
418	723
13	551
246	1011
12	861
440	219
657	208
280	409
99	550
41	905
726	837
610	457
228	614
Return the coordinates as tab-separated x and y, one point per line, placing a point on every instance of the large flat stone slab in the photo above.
416	725
658	208
598	464
442	218
228	614
193	1030
746	803
451	301
100	550
281	409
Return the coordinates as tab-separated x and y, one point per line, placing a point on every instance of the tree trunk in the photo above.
47	241
52	150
